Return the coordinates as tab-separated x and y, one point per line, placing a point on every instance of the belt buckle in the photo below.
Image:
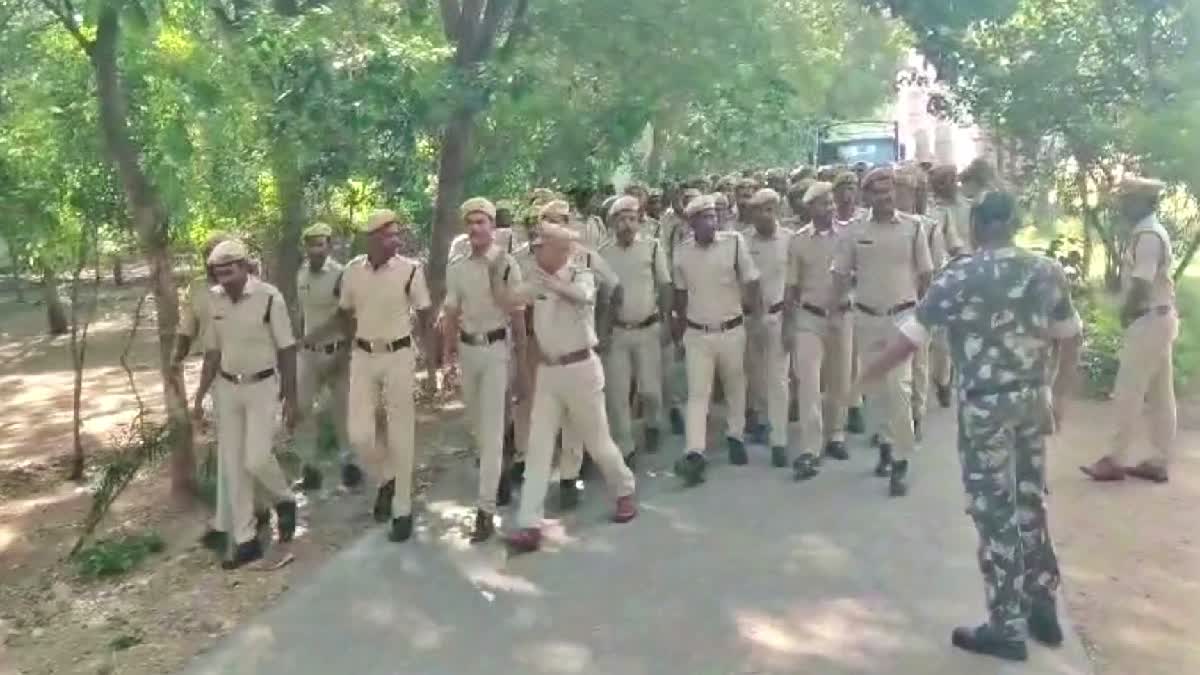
713	328
236	378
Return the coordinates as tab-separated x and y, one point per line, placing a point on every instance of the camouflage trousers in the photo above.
1002	447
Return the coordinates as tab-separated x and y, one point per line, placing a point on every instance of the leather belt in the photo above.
327	348
1007	388
248	378
484	339
716	327
569	358
820	311
775	308
372	346
892	311
1161	310
635	325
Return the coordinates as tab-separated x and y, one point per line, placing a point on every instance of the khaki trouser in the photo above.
857	401
707	355
919	396
318	370
569	397
246	423
767	371
1145	383
524	406
939	360
674	374
888	402
484	386
385	378
822	360
634	355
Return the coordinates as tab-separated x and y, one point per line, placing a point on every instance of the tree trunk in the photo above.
288	256
658	141
149	218
56	315
118	271
452	173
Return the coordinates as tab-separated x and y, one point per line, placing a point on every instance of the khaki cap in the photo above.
817	189
701	203
692	193
555	232
478	204
378	219
720	200
542	195
845	178
763	197
748	183
626	203
555	209
318	230
878	174
228	251
800	187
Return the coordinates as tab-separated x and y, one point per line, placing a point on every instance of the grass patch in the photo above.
112	557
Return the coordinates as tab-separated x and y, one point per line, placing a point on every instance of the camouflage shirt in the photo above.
1002	310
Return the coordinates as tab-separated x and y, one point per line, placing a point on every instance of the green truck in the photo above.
872	142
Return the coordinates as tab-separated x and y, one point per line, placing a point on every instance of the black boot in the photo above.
402	528
504	490
1043	623
310	479
485	527
737	452
794	411
917	429
804	467
215	541
568	494
691	468
943	395
677	425
898	485
245	553
286	513
517	473
652	440
854	421
837	450
779	458
352	476
984	640
884	467
383	501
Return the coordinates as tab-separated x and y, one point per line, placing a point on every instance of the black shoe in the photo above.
943	395
884	467
568	494
401	529
485	527
779	458
651	440
677	425
243	554
854	421
383	501
215	541
737	452
504	490
286	513
804	467
837	450
691	468
352	476
310	479
898	485
917	429
1043	623
983	640
794	411
517	473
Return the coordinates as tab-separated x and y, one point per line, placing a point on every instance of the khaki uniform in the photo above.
1146	375
323	366
381	362
885	259
194	319
636	349
485	355
821	342
570	389
673	231
953	220
840	227
715	339
506	240
767	357
922	357
249	333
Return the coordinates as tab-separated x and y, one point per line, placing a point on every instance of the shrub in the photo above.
112	557
1101	343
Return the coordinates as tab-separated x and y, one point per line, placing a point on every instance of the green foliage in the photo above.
112	557
1102	332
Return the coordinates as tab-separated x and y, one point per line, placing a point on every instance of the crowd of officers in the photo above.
591	329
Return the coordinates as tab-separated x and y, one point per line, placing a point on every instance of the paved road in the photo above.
749	573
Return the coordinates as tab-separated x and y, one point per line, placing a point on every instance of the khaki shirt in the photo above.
194	317
469	290
642	270
713	276
885	258
318	293
378	299
505	240
1148	257
771	259
953	218
810	256
560	326
249	332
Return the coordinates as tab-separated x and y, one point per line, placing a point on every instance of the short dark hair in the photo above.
994	218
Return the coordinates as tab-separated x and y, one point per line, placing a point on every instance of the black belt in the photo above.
716	327
635	325
393	346
892	311
568	359
327	349
249	378
775	308
1161	310
1006	388
484	339
820	311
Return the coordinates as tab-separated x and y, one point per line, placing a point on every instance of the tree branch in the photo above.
66	16
451	13
485	35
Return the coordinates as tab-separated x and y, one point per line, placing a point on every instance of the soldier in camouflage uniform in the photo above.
1014	337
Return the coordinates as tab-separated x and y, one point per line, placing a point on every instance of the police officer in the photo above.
323	366
767	357
821	337
194	316
1146	374
570	380
475	327
250	353
726	218
379	290
744	190
675	231
1008	313
951	215
888	256
847	210
634	351
710	271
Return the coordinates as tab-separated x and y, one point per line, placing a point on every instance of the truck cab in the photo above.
848	143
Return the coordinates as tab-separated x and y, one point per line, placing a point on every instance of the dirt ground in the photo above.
1129	551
